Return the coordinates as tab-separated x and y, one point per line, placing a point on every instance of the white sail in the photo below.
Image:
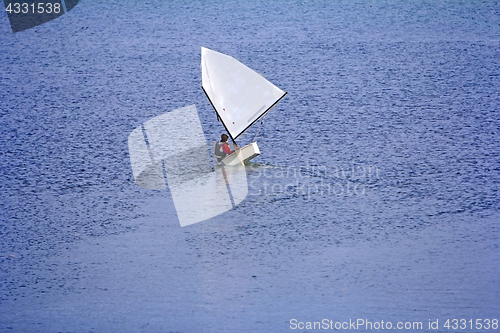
239	95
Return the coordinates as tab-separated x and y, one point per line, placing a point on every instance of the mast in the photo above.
218	117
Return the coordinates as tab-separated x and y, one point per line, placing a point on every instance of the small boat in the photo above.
240	97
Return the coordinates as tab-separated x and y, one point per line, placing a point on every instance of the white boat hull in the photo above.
244	154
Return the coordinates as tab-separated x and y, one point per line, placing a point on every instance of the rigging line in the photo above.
258	129
237	149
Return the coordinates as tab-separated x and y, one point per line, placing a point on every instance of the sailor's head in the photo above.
224	137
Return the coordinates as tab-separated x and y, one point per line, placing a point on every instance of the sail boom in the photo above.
262	115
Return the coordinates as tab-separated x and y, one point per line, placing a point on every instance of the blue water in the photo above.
407	90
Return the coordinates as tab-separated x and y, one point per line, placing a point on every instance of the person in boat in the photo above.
222	148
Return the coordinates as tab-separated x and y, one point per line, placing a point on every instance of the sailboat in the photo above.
240	97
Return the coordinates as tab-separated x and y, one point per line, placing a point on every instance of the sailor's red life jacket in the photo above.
222	150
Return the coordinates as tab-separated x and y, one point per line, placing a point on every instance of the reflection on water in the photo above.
198	192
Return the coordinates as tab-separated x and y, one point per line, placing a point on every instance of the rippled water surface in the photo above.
376	195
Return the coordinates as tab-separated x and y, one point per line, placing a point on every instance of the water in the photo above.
407	90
